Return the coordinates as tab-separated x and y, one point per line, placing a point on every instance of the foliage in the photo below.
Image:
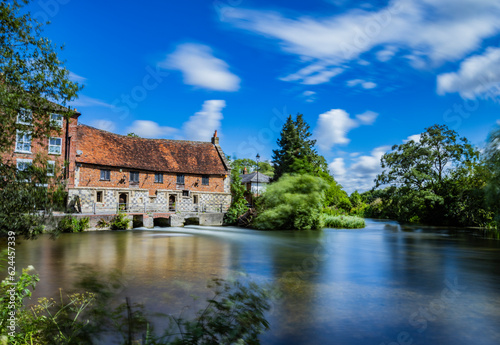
133	135
120	222
31	75
343	222
234	315
102	223
73	224
492	170
296	153
292	203
25	201
14	290
238	205
239	164
437	180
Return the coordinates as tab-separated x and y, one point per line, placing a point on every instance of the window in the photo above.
57	119
134	176
98	196
51	168
23	142
23	165
195	199
24	117
205	180
180	179
55	146
105	175
158	177
185	193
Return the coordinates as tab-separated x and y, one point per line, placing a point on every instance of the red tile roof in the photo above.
178	156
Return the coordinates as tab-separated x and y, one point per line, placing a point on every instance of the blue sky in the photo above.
365	74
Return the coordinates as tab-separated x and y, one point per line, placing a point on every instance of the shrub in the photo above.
73	224
120	222
343	222
292	203
102	224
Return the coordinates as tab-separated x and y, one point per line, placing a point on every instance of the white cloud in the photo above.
309	96
150	129
200	68
386	54
76	78
362	171
85	101
367	118
105	125
431	31
361	82
498	122
414	137
202	125
478	76
332	127
313	74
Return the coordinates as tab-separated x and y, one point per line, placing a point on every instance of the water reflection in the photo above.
365	286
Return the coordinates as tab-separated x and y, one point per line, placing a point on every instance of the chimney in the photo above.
245	171
215	139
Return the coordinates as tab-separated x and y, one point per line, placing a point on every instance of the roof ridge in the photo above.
140	138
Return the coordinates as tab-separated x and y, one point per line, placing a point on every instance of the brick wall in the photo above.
41	147
90	176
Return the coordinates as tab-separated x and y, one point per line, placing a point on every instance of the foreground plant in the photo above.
234	315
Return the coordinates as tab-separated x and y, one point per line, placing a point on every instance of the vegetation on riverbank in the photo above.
343	222
439	180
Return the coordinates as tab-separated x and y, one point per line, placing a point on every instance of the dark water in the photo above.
382	284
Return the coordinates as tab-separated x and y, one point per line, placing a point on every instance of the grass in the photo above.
343	222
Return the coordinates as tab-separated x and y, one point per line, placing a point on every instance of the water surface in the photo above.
382	284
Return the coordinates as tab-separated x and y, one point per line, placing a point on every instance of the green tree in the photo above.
238	205
435	180
492	166
34	84
133	135
296	153
294	202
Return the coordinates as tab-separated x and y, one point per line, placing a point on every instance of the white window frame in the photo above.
51	146
28	114
57	119
22	160
53	164
26	137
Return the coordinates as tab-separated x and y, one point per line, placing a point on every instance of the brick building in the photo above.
105	172
148	175
58	148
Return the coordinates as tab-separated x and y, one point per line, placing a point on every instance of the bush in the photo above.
120	222
292	203
343	222
73	224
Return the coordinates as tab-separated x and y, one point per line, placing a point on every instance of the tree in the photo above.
294	202
133	135
436	179
492	165
238	205
33	84
296	152
426	163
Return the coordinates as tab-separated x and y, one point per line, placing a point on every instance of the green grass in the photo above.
343	222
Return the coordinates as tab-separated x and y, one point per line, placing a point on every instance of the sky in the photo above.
366	75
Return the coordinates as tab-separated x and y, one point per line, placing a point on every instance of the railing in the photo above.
146	207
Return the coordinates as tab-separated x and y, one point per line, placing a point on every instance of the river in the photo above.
382	284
